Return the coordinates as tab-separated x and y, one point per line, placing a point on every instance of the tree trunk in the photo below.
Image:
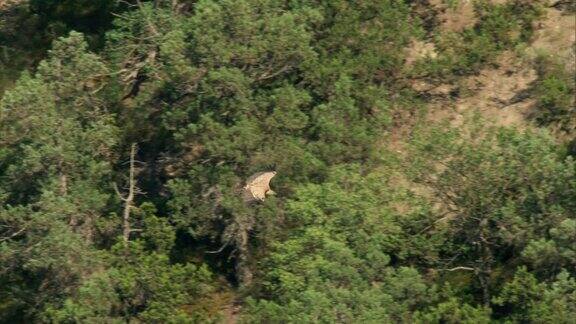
485	268
129	198
243	270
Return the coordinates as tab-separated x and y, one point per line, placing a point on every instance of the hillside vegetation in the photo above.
424	155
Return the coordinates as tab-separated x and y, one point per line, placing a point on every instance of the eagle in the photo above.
258	186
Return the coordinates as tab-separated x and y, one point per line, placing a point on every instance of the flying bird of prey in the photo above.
258	186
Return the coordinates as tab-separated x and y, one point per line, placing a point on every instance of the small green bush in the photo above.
555	91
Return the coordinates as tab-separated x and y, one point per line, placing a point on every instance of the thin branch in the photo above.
445	216
459	268
13	234
115	186
219	250
130	197
267	75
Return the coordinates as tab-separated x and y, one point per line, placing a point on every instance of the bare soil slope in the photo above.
501	94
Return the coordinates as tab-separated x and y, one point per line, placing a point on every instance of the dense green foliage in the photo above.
556	91
124	150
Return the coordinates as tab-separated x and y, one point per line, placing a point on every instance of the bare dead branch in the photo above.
129	197
270	75
219	250
115	186
458	268
13	235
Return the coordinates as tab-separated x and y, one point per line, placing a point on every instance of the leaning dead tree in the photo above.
128	198
256	189
241	223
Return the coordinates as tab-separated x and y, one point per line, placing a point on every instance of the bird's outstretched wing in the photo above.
260	178
257	185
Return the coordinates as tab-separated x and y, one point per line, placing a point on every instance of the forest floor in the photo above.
500	93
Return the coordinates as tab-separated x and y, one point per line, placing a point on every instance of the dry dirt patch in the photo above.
455	18
556	37
501	94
